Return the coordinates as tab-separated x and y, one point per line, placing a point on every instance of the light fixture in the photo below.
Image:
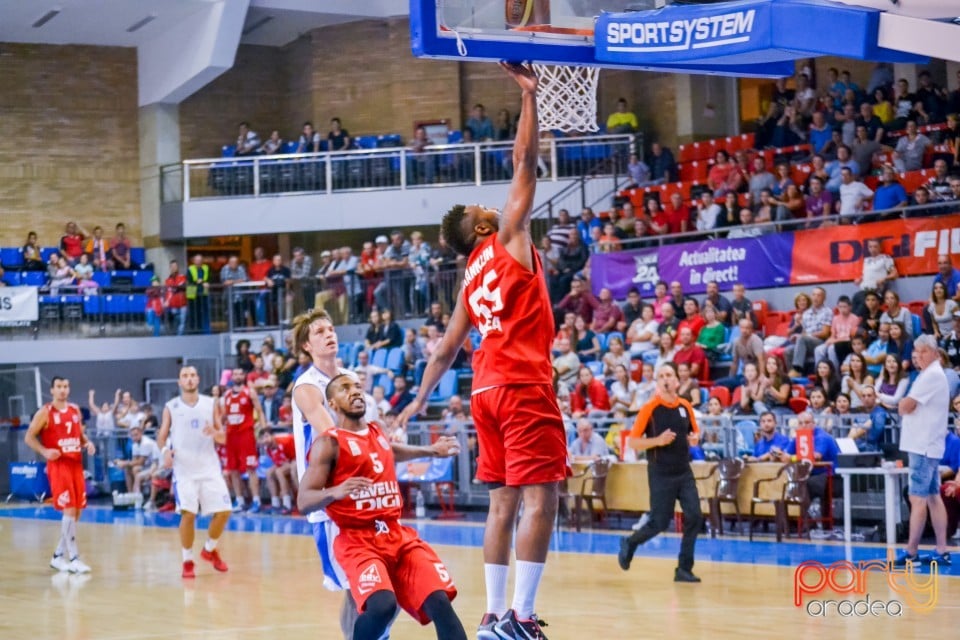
47	17
140	24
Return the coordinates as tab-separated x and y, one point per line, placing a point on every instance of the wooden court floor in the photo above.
274	590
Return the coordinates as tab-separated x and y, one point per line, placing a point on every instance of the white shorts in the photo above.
334	578
202	495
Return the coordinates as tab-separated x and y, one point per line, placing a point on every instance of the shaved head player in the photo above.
519	427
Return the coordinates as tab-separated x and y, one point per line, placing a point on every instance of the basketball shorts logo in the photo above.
369	579
63	499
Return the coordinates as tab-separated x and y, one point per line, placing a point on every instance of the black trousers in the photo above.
665	490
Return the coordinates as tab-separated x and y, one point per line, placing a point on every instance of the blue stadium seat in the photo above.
357	348
74	298
596	368
138	255
917	326
389	140
395	360
385	381
142	278
379	358
114	305
289	147
33	278
228	151
47	299
137	303
650	357
11	257
92	305
46	252
12	278
616	334
102	278
454	137
366	142
446	388
418	369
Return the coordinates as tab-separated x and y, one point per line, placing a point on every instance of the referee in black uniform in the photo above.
666	428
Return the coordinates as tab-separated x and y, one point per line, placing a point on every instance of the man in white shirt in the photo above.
707	212
144	459
878	268
923	433
588	446
854	195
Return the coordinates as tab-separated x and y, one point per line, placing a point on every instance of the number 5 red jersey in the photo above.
365	454
510	307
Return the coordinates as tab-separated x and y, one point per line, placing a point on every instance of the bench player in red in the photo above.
352	475
56	433
520	431
241	408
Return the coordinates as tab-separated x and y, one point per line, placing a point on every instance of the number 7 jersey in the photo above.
510	307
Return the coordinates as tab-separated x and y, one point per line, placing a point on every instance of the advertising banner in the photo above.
18	306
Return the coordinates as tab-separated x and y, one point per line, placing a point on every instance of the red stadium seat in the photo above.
798	391
916	307
737	395
798	405
760	310
722	394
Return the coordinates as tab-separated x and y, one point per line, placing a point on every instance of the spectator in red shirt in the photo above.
692	318
607	315
258	271
258	373
259	267
71	243
678	214
589	397
175	299
659	219
580	301
690	353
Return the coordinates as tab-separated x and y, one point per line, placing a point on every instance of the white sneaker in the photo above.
149	506
59	563
78	566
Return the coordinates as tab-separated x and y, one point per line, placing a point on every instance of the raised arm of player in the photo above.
514	231
440	361
32	437
444	447
314	494
312	404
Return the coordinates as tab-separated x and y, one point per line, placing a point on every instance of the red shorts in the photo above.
67	486
520	434
242	451
396	560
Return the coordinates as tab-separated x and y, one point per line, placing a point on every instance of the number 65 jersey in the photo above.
364	454
510	307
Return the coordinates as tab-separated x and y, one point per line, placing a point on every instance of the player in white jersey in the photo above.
313	334
188	422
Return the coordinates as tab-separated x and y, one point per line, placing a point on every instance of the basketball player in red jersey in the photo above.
519	427
56	433
352	474
241	409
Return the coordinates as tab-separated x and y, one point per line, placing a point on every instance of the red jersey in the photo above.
63	432
368	455
510	306
238	405
176	291
277	455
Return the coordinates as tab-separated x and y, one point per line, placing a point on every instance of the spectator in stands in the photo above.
877	350
271	145
435	317
247	140
234	273
503	128
98	248
678	214
855	196
369	371
623	390
720	304
663	168
890	195
819	133
401	395
120	248
856	380
607	316
589	397
588	446
276	278
559	233
897	313
566	363
638	171
939	311
751	391
777	392
607	241
691	317
954	188
827	380
631	309
879	271
669	323
622	120
882	107
791	205
870	122
389	334
782	180
643	334
579	301
588	221
842	329
62	275
745	349
835	169
718	178
309	141
443	264
626	221
729	211
770	443
479	124
846	123
933	97
863	150
658	219
424	164
666	348
71	243
585	341
761	179
819	202
903	102
713	334
573	258
270	397
144	459
419	265
901	344
708	212
891	384
32	260
175	299
947	275
198	295
616	355
939	184
338	138
910	149
392	292
741	306
689	353
815	329
920	204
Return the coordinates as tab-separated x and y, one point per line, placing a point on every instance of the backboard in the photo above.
737	38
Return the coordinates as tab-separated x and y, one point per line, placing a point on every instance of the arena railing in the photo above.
387	168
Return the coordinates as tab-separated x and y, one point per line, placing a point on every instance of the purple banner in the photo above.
759	262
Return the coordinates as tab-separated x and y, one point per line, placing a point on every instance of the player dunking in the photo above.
519	426
241	407
56	433
314	335
352	474
188	421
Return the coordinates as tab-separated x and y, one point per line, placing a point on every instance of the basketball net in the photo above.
567	97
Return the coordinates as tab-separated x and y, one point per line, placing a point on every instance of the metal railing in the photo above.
389	168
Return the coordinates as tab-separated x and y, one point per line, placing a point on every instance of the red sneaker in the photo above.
213	557
188	571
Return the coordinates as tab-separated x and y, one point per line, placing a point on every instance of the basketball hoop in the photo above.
567	97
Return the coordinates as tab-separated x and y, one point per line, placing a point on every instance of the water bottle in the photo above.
421	510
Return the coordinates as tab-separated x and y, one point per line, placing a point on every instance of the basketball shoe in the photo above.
59	563
188	569
511	628
78	566
486	629
213	557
